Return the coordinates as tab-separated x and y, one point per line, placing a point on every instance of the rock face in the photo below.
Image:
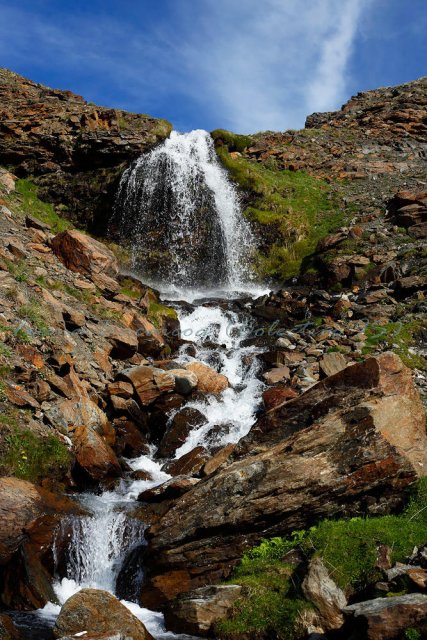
388	618
76	150
346	447
98	612
196	612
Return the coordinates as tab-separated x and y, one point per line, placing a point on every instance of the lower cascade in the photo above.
189	236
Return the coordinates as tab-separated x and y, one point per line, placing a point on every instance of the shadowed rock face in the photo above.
77	150
347	447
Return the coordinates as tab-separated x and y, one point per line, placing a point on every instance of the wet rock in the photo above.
130	442
82	254
189	464
328	598
197	612
185	381
387	618
149	382
181	425
169	490
98	612
8	630
209	381
365	428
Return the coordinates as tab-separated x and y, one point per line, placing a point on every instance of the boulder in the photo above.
278	374
149	382
82	254
8	630
347	447
185	381
98	612
209	381
188	464
93	455
273	396
387	618
181	425
327	597
197	612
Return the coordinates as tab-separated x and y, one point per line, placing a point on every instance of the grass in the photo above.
35	314
291	208
268	607
26	197
158	312
32	457
398	337
349	551
233	141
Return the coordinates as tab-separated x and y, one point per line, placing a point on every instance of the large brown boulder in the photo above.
98	612
347	447
93	455
29	516
81	253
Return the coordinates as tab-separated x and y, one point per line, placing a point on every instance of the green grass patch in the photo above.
233	141
32	457
399	337
298	208
26	198
269	607
157	313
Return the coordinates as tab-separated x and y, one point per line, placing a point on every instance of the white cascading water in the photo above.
99	543
201	200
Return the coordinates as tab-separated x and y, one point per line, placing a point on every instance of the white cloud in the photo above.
241	64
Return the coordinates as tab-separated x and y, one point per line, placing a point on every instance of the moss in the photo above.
28	202
233	141
298	208
158	312
82	295
32	457
399	337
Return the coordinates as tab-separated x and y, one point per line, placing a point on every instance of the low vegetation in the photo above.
400	337
25	198
274	603
291	210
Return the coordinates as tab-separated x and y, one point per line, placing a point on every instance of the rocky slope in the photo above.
88	376
76	150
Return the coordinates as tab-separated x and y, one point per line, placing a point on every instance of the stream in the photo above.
216	325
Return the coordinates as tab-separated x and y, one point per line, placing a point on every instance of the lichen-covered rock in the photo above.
319	588
98	612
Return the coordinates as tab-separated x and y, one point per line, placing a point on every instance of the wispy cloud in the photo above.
246	66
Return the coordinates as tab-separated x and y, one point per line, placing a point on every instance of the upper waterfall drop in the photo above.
181	215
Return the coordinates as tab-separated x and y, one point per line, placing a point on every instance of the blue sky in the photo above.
244	65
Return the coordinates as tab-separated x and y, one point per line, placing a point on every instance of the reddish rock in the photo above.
209	381
169	490
82	254
181	425
332	363
93	455
149	382
218	460
274	396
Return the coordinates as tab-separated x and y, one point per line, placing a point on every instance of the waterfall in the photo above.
180	214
